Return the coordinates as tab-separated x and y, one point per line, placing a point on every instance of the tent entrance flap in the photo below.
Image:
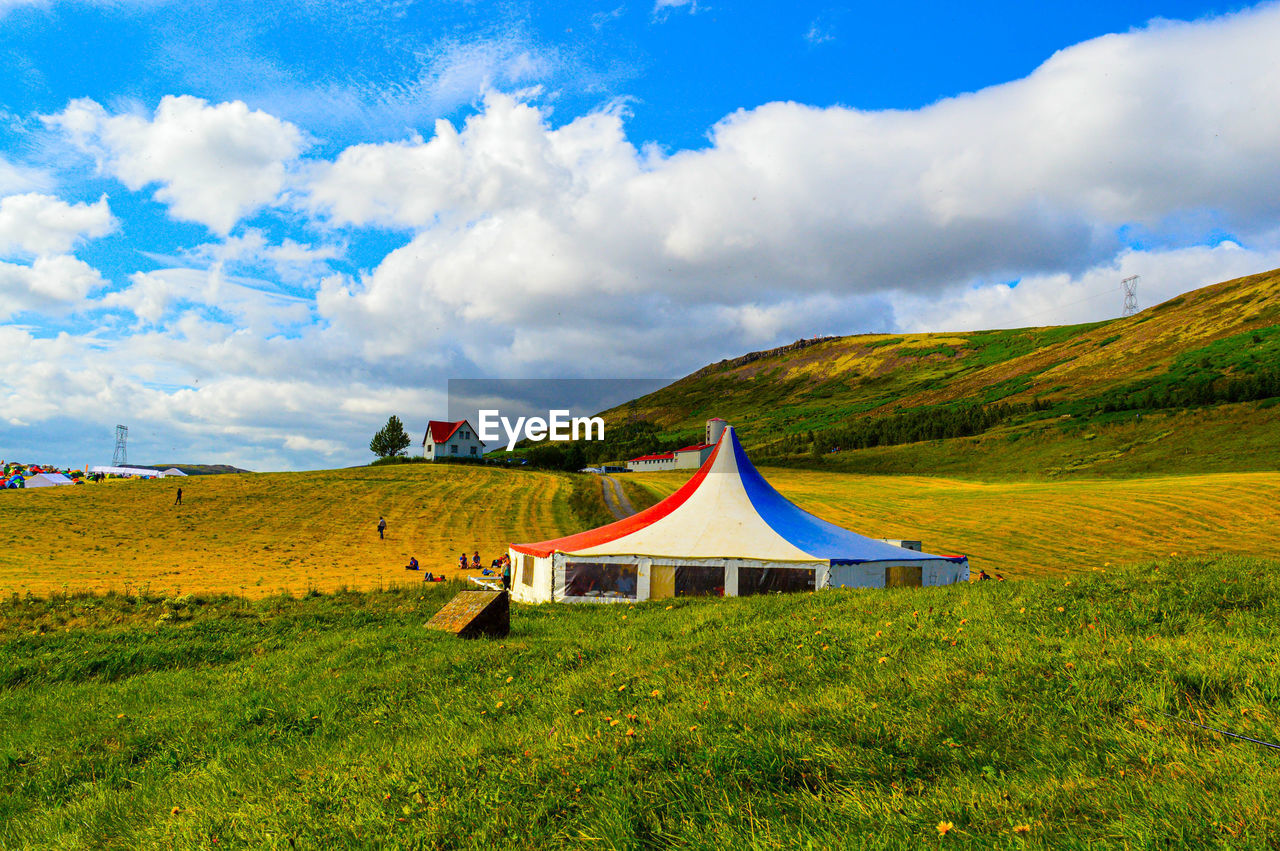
662	582
903	576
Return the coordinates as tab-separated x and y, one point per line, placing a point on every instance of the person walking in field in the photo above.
178	501
382	527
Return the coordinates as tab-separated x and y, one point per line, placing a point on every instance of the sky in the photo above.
253	232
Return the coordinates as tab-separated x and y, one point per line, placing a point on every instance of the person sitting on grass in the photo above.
475	560
982	574
413	564
462	562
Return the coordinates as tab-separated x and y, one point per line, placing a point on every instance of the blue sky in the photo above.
254	232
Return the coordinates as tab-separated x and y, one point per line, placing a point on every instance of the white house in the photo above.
451	440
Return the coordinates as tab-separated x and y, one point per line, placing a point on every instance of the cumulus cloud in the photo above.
34	224
49	284
533	236
1061	298
214	164
254	306
15	178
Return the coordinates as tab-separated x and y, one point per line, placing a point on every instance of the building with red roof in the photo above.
451	440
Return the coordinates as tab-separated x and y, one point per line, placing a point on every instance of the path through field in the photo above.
615	498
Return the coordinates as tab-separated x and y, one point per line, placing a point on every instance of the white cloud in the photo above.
16	178
50	284
42	224
300	443
662	8
536	239
1092	294
214	164
818	34
254	306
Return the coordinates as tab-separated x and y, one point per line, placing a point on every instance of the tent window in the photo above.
699	581
526	570
774	580
593	579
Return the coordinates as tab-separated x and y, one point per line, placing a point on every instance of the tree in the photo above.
390	440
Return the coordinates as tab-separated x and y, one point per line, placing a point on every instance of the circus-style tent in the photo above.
725	532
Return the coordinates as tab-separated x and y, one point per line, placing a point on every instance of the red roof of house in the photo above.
697	447
440	431
661	456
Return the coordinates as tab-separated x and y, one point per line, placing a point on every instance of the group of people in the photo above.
498	567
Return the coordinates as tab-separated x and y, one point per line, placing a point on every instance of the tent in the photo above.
726	532
45	480
172	471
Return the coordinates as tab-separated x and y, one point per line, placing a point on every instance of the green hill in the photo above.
1157	391
998	712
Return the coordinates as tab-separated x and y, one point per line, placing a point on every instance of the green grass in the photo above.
842	718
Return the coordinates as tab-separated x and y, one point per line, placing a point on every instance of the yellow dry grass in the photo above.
1024	529
265	533
261	534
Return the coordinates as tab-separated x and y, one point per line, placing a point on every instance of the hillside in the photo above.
272	532
1213	349
1016	714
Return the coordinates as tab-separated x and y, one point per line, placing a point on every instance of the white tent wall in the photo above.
560	563
548	575
537	572
873	574
46	480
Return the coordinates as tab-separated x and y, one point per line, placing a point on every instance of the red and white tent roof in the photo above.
728	510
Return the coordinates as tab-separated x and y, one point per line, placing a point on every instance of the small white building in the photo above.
451	440
688	458
685	458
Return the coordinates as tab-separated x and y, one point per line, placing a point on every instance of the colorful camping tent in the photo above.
725	532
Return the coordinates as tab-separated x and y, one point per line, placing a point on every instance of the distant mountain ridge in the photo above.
196	469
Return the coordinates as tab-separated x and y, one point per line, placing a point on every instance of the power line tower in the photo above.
121	456
1130	286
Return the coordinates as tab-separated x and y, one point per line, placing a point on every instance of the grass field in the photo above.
1048	528
1222	439
263	533
879	719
